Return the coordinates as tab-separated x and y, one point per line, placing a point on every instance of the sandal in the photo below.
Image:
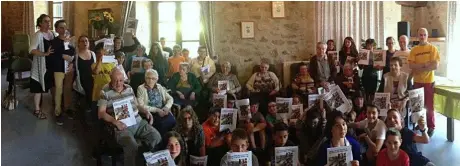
39	114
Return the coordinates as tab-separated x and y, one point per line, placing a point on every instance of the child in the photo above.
230	101
120	56
239	143
216	142
375	132
271	116
256	124
310	133
351	117
280	139
392	155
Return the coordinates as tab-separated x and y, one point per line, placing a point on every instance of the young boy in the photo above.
216	142
271	116
280	139
392	155
256	124
239	143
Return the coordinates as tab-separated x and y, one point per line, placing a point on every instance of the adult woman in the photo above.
40	46
395	83
160	63
83	61
190	129
184	86
336	130
203	66
101	72
303	83
233	84
410	138
348	51
263	85
175	60
390	41
175	144
154	98
370	75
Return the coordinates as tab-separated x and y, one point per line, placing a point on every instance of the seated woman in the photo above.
191	131
395	83
234	86
217	143
263	86
303	83
349	82
310	133
154	98
185	87
173	142
101	72
410	138
336	130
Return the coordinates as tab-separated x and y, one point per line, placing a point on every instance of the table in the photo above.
447	102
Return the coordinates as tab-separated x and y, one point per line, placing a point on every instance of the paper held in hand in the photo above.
363	56
160	158
228	119
244	112
287	155
382	101
123	111
337	100
205	69
136	64
109	59
219	100
198	161
296	112
379	57
239	158
339	156
283	106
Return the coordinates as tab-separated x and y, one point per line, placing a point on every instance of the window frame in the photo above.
51	12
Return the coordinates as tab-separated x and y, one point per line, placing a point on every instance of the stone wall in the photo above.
81	13
432	16
278	39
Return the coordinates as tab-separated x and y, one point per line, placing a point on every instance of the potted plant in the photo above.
101	22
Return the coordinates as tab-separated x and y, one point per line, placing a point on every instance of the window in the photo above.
179	23
143	31
57	12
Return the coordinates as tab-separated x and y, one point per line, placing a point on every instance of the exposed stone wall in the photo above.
278	39
432	16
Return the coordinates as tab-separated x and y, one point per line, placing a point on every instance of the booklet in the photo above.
335	56
244	110
312	100
123	111
227	119
109	47
160	158
382	101
288	155
296	112
198	161
363	57
283	106
379	57
109	59
223	85
219	100
337	100
350	60
416	99
239	158
205	69
136	64
340	156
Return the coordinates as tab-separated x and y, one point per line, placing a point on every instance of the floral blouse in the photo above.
155	98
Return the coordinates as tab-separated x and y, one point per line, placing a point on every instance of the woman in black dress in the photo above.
83	60
40	48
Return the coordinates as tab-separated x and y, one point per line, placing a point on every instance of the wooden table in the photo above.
447	102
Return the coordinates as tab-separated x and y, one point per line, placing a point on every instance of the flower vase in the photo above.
101	33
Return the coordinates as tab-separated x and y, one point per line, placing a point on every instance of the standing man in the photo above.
424	60
63	54
163	46
403	54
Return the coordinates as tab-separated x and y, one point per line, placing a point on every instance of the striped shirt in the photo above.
109	96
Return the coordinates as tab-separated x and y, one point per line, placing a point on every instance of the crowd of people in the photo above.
168	78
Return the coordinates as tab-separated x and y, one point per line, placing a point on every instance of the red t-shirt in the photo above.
384	160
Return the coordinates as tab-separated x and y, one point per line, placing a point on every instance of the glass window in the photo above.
57	9
192	46
143	32
167	30
167	12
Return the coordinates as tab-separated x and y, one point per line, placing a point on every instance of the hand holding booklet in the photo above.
160	158
123	111
287	155
198	161
239	158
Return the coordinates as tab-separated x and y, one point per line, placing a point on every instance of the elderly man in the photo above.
322	68
424	60
125	135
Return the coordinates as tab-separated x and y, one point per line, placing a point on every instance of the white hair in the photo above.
151	71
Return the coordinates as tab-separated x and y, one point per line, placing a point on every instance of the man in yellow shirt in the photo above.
424	60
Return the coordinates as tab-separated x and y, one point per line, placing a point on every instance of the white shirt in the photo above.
379	130
404	55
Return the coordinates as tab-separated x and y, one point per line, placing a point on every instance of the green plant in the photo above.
102	20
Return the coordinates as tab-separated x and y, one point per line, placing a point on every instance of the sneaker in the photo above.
59	120
70	114
430	132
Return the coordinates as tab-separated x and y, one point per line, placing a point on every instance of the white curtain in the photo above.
357	19
207	21
28	18
453	40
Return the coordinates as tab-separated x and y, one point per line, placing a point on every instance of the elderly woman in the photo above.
203	66
410	138
40	48
336	130
263	85
185	87
233	86
191	130
154	98
160	62
395	83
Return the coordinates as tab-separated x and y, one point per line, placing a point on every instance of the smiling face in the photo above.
395	67
174	147
392	142
339	130
214	119
403	41
372	114
393	120
330	45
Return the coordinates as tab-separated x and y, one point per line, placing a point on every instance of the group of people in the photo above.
169	77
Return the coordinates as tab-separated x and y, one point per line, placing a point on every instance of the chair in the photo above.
20	69
21	45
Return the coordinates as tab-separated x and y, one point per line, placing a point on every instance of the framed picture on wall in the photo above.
278	9
247	29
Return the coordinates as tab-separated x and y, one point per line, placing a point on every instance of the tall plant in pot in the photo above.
101	22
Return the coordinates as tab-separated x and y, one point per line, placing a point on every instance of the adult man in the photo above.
62	53
163	46
125	135
322	68
424	60
403	54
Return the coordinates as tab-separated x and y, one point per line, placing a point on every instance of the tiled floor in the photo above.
28	141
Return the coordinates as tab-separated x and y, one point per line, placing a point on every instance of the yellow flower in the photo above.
110	19
106	14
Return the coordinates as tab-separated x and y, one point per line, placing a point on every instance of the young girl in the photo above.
175	145
392	155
